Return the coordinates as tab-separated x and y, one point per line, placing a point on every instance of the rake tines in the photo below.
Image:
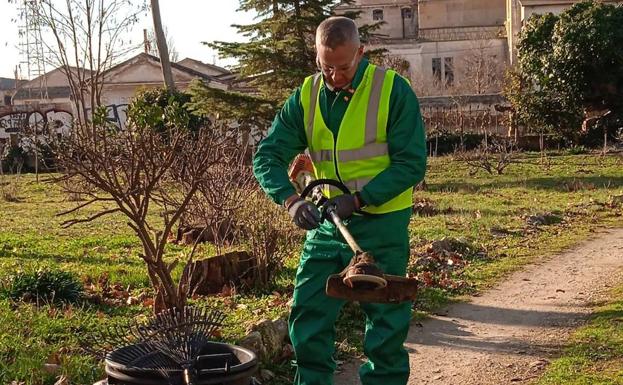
177	335
182	334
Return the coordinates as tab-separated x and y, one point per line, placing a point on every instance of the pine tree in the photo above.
278	56
280	51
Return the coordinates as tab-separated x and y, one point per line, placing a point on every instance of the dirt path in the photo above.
511	332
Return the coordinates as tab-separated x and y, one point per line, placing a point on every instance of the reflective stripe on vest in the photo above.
362	150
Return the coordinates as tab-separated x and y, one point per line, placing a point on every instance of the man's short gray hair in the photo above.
337	31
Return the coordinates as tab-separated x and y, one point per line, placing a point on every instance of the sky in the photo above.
188	22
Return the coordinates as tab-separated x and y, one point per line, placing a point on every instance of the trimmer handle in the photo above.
331	211
321	182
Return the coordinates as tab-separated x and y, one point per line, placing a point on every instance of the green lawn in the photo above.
578	189
595	352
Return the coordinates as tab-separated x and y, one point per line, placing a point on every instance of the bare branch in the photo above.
82	206
72	222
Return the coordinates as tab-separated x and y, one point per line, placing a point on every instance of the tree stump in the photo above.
209	276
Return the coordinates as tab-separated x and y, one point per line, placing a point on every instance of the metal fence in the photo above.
464	114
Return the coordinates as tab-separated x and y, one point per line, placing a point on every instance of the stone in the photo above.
253	342
271	337
281	326
543	219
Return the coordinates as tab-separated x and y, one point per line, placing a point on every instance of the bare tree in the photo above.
151	177
396	62
481	71
87	38
151	44
425	85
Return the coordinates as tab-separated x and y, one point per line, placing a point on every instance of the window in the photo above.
377	14
7	100
437	69
449	71
407	13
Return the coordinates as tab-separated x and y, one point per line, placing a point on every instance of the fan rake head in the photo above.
181	335
169	343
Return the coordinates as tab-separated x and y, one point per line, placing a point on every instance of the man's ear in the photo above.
360	50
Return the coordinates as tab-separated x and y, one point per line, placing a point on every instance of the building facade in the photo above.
442	40
452	46
46	101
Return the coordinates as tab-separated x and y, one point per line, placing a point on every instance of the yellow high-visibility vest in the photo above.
360	151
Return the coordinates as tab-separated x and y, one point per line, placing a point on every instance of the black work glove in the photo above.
345	205
304	214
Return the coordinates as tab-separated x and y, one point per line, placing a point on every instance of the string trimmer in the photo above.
362	280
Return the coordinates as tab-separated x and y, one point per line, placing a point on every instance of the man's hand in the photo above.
345	205
304	214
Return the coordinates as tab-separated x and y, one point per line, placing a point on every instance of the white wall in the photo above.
420	55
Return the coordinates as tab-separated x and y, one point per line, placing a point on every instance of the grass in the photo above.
576	188
595	352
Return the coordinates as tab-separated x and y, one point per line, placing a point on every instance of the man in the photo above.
362	126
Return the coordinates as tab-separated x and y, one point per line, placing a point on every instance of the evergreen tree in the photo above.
279	55
570	65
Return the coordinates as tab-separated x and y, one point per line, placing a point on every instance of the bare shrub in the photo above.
11	159
214	206
493	156
139	172
9	187
269	234
76	190
576	185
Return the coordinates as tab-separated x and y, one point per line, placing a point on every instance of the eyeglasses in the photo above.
332	70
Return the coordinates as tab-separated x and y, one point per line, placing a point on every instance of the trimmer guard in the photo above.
398	289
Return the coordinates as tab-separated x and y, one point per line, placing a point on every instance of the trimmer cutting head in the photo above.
363	281
363	273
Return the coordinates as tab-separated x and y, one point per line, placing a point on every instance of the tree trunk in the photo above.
162	46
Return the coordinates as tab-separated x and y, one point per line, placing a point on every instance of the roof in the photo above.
208	65
153	58
8	83
35	93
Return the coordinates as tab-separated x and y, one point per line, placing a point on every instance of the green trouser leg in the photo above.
313	315
386	330
387	325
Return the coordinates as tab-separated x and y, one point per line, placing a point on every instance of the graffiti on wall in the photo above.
50	120
116	114
42	121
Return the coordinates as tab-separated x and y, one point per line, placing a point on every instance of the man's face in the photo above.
339	65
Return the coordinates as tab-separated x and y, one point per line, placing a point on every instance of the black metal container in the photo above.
217	364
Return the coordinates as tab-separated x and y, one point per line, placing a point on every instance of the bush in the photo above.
577	150
449	142
593	137
269	235
12	159
43	285
492	156
160	108
9	188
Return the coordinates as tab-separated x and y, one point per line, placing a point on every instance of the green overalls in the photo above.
325	252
